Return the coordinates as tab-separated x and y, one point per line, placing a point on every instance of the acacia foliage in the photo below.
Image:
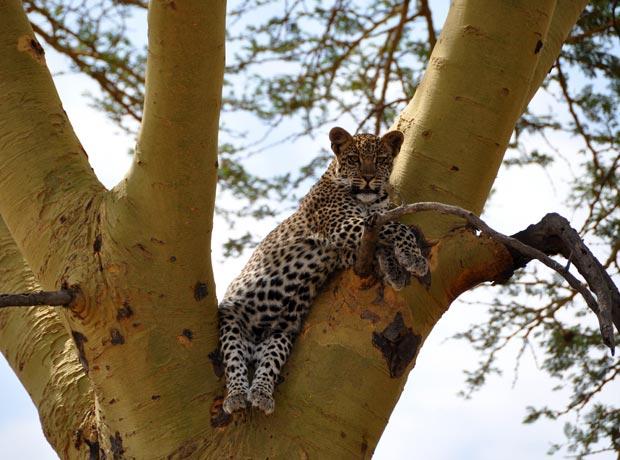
298	66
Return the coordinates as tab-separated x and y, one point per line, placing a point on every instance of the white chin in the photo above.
366	197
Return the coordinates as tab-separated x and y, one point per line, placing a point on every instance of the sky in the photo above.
430	420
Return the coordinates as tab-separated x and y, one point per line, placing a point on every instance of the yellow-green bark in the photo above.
38	348
337	394
564	18
142	266
140	253
460	120
45	173
171	187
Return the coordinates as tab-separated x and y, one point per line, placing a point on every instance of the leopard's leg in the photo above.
270	356
237	352
406	248
345	234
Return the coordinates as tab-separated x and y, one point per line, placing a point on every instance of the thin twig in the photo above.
29	299
589	33
387	69
571	108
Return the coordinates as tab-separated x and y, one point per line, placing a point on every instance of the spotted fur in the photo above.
264	306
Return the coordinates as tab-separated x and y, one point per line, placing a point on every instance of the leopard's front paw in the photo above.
235	400
411	259
262	399
390	269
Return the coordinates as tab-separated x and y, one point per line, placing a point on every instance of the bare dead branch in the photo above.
591	32
571	108
60	298
426	12
607	302
554	235
398	32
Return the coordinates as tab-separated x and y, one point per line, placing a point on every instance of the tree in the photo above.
125	369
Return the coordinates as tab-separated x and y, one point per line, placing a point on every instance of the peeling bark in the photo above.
398	344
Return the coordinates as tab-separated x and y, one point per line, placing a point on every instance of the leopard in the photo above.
263	309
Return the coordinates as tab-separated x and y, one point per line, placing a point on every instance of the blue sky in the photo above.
430	421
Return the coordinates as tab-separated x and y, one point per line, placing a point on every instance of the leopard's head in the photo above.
364	162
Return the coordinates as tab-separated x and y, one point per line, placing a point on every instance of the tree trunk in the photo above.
125	370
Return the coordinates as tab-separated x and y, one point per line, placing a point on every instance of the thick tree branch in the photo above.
36	345
563	19
553	226
29	299
37	146
175	165
144	265
481	106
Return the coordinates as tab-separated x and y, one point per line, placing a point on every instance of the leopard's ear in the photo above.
393	140
339	137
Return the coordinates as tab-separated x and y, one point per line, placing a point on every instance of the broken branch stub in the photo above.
61	298
552	235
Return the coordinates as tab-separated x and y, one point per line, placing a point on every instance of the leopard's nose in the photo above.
368	177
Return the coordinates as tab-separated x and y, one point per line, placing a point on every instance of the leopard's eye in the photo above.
353	160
